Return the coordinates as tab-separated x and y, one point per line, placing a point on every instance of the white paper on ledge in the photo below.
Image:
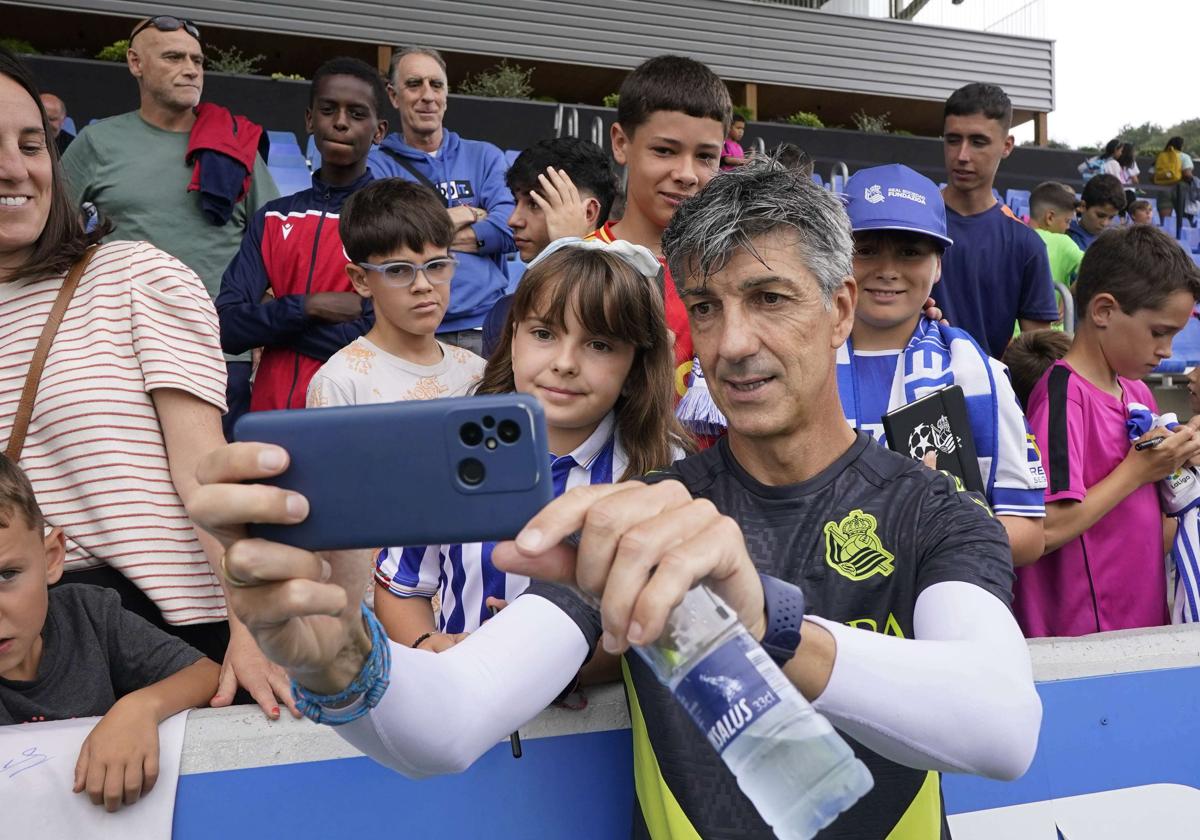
37	772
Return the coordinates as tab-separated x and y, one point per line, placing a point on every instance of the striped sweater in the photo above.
140	320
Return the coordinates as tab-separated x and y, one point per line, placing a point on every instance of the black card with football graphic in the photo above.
937	422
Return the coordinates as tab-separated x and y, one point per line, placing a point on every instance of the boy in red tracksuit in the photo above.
287	290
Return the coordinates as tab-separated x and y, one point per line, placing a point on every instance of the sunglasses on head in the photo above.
167	23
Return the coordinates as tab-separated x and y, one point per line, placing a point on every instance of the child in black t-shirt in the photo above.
74	652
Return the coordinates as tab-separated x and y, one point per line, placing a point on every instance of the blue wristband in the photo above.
370	684
784	603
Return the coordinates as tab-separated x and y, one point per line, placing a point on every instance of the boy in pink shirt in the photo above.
1105	542
732	154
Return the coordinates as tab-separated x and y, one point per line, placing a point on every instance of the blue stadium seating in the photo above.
1185	348
313	154
287	157
69	126
510	155
1189	237
290	179
283	140
1013	198
817	179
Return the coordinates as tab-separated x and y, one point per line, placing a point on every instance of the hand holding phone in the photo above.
410	473
303	607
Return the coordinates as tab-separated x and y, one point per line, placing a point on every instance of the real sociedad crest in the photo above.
853	548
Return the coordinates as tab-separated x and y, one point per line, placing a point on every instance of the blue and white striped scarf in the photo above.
937	357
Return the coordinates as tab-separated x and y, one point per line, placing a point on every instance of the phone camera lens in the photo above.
508	431
488	421
471	434
471	472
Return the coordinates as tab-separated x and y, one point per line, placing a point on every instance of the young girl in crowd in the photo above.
586	336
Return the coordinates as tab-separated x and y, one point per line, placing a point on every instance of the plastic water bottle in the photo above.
787	758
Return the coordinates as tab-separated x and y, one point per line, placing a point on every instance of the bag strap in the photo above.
16	440
416	173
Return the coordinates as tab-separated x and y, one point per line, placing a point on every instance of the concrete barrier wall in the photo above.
1118	748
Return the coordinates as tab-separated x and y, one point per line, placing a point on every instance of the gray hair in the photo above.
752	201
400	52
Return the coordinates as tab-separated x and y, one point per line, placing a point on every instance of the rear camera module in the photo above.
471	434
508	431
471	472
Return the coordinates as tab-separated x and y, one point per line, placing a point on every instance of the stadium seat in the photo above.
290	179
283	139
69	126
1185	348
313	154
514	270
836	183
1014	198
510	155
816	176
287	157
1189	237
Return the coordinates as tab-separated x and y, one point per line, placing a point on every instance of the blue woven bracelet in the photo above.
370	684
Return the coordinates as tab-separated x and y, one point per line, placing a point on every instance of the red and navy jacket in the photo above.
291	249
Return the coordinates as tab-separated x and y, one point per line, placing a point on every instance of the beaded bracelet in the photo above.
370	684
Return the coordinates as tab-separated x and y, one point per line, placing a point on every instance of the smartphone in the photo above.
423	472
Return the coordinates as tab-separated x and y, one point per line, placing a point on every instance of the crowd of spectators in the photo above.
714	363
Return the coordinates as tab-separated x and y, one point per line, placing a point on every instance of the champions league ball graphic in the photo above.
927	437
920	441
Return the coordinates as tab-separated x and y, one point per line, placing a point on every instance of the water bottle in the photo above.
787	758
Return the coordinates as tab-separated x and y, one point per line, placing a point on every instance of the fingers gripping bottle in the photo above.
787	758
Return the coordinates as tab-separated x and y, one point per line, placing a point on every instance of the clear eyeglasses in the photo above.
401	274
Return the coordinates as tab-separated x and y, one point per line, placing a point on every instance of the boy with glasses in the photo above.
398	237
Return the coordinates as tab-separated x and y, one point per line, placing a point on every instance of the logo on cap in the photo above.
874	194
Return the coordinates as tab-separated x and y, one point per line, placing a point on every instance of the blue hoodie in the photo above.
1080	236
470	173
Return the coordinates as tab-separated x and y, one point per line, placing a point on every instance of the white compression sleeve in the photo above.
442	711
957	698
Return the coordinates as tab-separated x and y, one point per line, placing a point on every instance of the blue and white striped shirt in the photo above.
462	574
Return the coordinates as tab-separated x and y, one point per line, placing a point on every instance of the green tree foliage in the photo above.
870	123
1150	138
805	118
18	46
504	81
114	51
233	60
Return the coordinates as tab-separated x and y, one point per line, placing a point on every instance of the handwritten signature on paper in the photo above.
28	759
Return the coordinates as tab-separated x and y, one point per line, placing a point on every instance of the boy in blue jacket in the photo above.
287	289
468	174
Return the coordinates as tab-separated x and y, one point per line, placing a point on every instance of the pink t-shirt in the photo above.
732	149
1112	576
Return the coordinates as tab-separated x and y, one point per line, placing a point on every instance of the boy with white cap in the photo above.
896	355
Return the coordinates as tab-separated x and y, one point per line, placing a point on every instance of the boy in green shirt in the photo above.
1051	209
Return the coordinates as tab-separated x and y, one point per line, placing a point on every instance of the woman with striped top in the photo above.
129	400
586	337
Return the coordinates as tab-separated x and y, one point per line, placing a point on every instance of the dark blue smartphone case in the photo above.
414	473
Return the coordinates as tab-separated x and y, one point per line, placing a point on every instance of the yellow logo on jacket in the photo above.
853	548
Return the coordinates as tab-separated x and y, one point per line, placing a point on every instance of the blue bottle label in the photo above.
726	691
